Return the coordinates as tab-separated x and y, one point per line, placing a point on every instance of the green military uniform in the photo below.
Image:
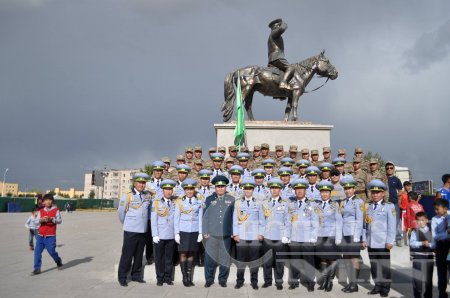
360	177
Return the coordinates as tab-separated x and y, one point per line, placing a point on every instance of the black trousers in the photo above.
272	259
149	243
441	251
301	264
132	252
163	251
247	251
423	277
380	268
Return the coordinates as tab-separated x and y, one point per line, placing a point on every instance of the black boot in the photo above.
354	282
183	266
190	273
330	277
348	268
322	280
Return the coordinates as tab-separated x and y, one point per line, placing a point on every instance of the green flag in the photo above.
239	131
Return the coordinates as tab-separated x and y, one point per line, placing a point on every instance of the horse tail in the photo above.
229	95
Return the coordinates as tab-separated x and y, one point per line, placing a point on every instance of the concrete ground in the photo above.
89	244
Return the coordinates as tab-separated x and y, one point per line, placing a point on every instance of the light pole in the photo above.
4	177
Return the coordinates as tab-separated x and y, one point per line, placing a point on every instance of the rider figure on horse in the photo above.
275	46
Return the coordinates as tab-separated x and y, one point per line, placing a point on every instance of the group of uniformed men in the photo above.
278	210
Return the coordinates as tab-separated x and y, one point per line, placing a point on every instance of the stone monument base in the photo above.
303	134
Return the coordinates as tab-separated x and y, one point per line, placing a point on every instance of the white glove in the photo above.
313	241
156	239
337	242
199	238
356	240
177	238
284	240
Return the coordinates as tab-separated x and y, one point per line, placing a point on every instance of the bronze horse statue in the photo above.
266	80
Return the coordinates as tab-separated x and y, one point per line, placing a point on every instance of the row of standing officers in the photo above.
302	232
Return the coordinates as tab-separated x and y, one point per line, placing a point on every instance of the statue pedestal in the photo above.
303	134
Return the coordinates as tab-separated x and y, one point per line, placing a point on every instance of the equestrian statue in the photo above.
279	79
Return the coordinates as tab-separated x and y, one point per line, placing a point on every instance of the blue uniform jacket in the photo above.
134	211
188	216
162	219
305	221
248	219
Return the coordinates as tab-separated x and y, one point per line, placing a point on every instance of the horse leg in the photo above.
295	100
287	111
248	106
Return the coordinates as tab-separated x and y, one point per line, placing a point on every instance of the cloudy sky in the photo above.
87	84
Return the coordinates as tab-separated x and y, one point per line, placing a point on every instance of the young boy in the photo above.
47	218
422	256
439	230
31	226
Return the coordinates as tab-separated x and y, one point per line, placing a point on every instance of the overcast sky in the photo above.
84	84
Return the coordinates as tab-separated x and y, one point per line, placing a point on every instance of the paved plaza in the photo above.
89	244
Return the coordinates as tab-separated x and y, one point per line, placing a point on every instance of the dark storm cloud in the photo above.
429	48
84	84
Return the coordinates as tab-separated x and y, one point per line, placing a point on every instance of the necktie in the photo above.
268	177
190	201
157	184
168	203
140	196
273	203
299	204
323	206
312	188
346	201
259	188
248	203
235	188
217	172
375	206
204	189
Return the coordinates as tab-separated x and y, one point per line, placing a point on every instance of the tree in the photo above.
91	194
9	194
148	169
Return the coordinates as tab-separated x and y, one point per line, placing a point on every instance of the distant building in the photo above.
403	173
71	192
9	188
116	183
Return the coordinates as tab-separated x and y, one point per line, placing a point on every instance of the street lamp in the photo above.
4	177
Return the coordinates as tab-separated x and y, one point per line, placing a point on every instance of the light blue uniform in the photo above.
305	220
162	219
188	214
205	191
330	220
235	190
380	227
287	192
178	191
134	211
352	210
261	193
313	193
248	219
278	220
154	186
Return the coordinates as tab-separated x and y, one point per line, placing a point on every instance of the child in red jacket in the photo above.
47	219
411	211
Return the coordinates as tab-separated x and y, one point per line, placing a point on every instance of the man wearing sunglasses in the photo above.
395	188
